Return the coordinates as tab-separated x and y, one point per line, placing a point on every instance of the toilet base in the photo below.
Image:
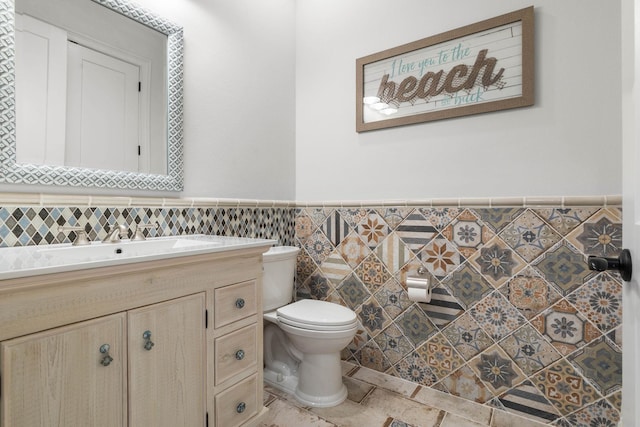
289	384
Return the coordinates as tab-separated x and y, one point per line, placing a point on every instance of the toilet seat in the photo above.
317	315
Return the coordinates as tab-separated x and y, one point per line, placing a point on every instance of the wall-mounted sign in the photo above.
486	66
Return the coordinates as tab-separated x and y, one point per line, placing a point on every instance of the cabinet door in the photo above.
61	378
167	364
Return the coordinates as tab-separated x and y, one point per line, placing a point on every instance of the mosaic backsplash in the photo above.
516	320
21	226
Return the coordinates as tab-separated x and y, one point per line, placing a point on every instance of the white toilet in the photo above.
303	339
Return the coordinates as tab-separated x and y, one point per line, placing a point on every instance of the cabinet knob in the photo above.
106	359
241	407
240	303
148	344
239	354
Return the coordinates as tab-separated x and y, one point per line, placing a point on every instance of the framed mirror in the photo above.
14	169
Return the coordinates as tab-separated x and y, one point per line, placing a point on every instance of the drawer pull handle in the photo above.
240	303
107	359
148	344
239	354
241	407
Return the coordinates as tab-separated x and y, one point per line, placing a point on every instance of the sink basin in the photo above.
124	249
35	260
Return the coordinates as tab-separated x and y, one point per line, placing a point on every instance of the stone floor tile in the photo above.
451	420
357	389
350	414
398	407
453	404
347	367
399	385
281	414
505	419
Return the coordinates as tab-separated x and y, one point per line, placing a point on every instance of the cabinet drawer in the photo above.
235	352
237	404
234	302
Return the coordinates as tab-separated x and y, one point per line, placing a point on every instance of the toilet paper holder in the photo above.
419	288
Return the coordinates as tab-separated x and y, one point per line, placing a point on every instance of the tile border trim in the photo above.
48	199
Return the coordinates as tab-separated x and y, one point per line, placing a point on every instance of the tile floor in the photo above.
380	400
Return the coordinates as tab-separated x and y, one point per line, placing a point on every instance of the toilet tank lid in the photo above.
314	312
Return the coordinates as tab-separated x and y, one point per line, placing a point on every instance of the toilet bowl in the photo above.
303	339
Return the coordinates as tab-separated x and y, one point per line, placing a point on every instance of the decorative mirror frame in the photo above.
18	173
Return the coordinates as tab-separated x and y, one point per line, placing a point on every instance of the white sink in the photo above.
35	260
124	249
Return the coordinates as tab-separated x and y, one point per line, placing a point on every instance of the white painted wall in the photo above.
569	143
239	104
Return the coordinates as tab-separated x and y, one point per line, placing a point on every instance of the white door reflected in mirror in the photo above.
91	88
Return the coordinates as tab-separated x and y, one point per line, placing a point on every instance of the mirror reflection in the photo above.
91	88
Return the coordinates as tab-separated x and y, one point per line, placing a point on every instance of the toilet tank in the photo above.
278	277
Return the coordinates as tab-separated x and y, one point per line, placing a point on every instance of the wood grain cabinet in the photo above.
171	343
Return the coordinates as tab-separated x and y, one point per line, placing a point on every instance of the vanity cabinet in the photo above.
57	376
162	343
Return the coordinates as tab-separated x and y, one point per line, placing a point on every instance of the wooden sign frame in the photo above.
482	67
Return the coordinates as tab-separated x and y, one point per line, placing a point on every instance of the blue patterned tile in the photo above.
467	285
497	316
353	292
467	336
413	368
529	293
600	413
600	235
370	356
529	236
565	327
601	363
393	298
529	350
393	344
600	301
498	218
497	262
564	267
440	217
497	370
564	220
372	317
415	325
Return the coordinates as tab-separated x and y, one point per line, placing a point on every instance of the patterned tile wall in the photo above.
516	320
21	226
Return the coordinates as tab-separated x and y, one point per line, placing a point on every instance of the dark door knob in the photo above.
622	264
